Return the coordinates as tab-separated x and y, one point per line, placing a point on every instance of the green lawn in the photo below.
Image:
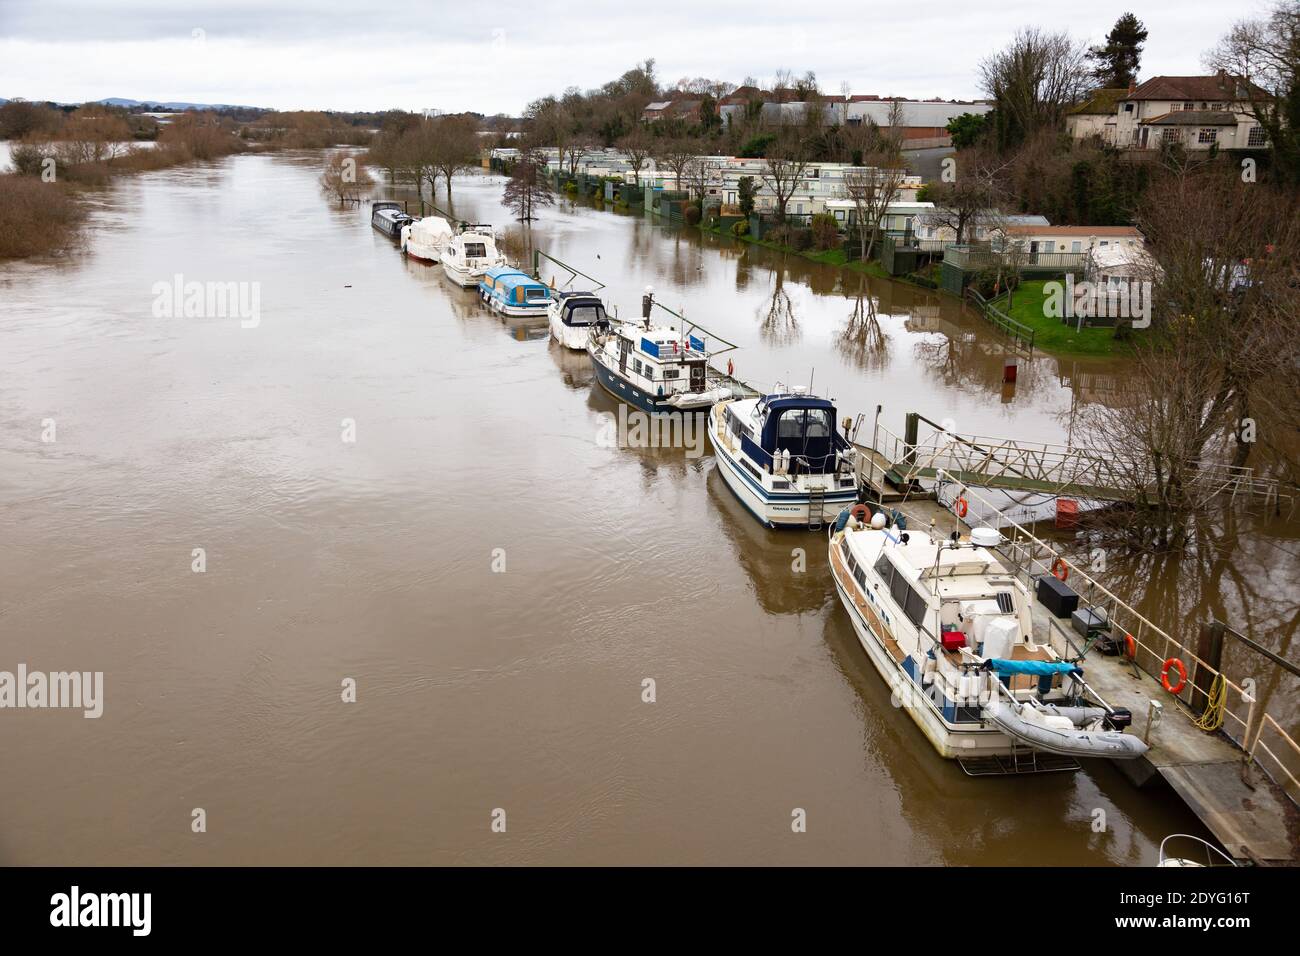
1053	335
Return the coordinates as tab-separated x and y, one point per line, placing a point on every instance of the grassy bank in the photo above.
1028	306
827	257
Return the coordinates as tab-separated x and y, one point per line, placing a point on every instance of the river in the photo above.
496	580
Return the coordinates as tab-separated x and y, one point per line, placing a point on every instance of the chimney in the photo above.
1132	86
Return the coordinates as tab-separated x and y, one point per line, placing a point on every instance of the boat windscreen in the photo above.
583	314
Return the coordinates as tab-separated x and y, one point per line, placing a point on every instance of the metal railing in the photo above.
974	257
1019	333
1057	469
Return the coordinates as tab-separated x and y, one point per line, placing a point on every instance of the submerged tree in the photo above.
341	178
527	190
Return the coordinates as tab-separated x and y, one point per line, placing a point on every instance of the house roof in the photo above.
1100	103
655	107
1218	86
1106	231
1192	118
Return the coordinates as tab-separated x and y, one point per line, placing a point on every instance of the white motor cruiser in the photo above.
470	254
948	627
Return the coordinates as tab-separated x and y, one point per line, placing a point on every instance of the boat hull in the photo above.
424	253
625	391
570	336
776	509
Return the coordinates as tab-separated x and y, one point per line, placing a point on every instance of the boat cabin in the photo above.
797	427
389	218
581	310
510	288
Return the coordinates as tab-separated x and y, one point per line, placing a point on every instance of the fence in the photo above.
1019	333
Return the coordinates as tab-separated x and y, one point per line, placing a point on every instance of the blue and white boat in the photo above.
658	368
783	456
514	293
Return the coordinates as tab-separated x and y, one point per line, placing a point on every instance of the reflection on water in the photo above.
477	688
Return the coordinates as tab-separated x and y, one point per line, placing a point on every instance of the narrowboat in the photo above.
948	627
573	316
514	293
389	218
471	253
784	457
425	238
657	368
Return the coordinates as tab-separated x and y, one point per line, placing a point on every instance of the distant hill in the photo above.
171	105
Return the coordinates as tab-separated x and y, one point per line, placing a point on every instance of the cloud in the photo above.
331	55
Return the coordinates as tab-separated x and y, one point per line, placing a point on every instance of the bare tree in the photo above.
968	198
783	171
1035	79
455	147
341	177
638	146
526	190
702	174
675	154
873	188
1259	61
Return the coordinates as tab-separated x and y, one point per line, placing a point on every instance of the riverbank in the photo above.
1028	306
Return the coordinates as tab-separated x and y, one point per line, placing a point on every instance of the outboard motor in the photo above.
1119	718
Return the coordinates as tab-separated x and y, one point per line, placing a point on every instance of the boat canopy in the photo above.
581	309
431	229
516	286
803	425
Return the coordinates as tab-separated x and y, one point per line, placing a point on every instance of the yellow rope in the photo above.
1215	703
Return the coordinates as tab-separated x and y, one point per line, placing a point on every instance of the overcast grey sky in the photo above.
496	57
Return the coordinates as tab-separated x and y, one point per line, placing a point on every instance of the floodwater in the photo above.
496	580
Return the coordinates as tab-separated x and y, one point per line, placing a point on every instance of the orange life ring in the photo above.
1130	647
861	512
1177	665
1059	570
961	507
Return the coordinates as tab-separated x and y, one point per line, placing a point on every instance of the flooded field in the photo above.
496	580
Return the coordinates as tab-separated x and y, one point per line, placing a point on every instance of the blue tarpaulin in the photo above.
1038	668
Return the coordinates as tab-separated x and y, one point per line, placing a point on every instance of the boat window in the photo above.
672	373
586	315
915	606
884	569
817	423
844	549
860	575
535	295
898	589
475	250
791	424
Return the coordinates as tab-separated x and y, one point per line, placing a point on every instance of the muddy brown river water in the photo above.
477	445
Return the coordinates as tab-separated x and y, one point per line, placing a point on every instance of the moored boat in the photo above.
948	627
783	456
514	293
658	368
470	254
573	316
389	218
424	239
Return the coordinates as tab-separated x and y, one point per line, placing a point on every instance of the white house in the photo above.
1198	112
1074	239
